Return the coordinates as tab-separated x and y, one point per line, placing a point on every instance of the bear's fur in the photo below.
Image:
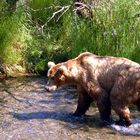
110	81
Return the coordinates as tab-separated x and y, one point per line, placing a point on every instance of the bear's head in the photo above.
57	76
60	74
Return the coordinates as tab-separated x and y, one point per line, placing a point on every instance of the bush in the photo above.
114	30
46	34
11	33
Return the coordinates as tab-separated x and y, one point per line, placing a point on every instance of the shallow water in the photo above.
29	112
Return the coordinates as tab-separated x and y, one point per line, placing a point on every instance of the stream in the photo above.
29	112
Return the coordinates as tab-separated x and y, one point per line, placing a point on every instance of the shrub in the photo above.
47	30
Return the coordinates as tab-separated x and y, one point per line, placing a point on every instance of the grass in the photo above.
11	33
113	30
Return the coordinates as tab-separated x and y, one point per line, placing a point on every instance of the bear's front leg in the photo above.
84	101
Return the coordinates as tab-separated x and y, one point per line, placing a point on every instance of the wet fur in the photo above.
110	81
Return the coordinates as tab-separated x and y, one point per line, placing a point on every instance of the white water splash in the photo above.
133	129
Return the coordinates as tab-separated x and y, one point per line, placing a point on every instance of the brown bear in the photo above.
110	81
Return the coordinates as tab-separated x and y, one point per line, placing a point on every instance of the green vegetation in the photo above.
36	32
11	33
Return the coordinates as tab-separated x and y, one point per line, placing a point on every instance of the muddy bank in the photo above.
28	111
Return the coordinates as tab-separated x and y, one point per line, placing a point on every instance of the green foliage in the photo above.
113	30
10	36
45	44
44	36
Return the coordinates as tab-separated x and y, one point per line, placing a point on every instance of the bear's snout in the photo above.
51	88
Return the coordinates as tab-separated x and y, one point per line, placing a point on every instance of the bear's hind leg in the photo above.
138	104
120	104
123	113
104	106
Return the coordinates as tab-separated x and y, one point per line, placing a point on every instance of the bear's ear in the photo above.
51	64
62	70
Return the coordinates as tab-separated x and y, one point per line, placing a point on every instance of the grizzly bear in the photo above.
112	82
